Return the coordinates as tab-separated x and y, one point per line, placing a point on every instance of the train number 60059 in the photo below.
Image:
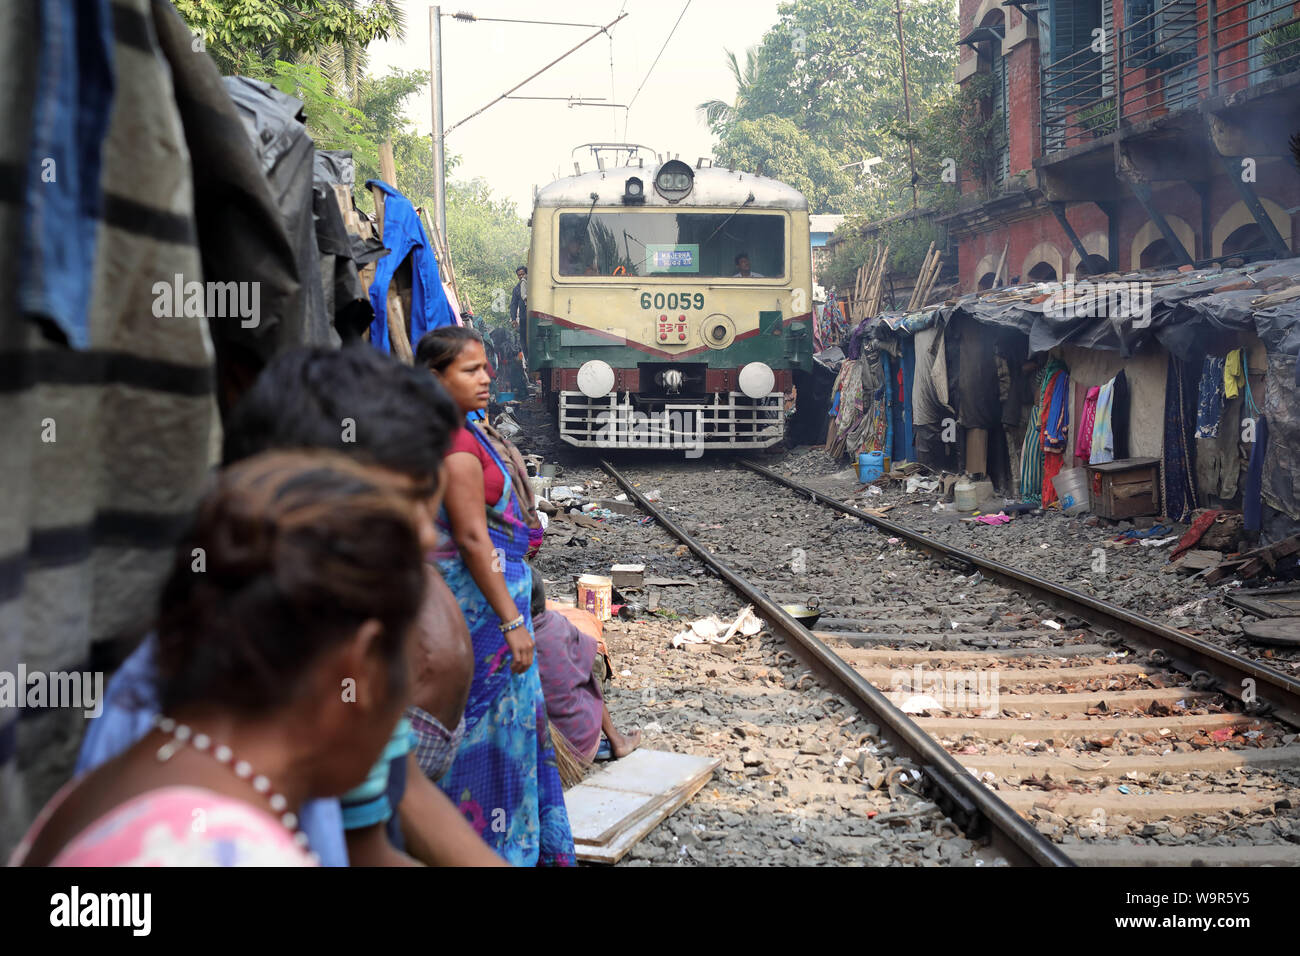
672	300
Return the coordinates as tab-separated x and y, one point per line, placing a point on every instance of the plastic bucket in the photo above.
1072	488
594	594
964	495
871	465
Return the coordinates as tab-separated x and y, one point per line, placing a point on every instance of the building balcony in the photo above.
1166	58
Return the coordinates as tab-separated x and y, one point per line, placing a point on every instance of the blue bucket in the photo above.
871	465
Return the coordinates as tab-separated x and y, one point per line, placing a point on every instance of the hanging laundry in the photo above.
1209	401
404	236
1034	459
1103	434
1056	427
1087	419
72	95
1234	373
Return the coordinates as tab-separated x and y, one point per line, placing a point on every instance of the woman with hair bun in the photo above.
284	633
504	778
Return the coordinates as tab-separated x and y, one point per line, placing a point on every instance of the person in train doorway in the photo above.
519	298
519	311
742	268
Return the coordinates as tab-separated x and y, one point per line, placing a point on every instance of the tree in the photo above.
718	113
832	69
315	50
248	37
773	146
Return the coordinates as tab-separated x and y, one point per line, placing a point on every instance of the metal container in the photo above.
806	614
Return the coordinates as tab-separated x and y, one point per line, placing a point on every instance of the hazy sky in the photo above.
521	143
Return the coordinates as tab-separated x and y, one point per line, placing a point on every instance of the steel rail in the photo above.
971	805
1261	689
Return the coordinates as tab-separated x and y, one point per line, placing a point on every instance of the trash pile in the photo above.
572	508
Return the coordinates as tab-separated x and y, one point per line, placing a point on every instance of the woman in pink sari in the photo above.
283	639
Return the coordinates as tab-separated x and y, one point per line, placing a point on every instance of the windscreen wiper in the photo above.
724	222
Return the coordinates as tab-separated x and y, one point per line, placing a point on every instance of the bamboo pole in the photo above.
925	280
929	281
997	275
918	290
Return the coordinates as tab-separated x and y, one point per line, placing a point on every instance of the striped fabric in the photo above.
1031	455
107	447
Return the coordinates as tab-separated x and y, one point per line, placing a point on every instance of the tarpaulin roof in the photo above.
1188	313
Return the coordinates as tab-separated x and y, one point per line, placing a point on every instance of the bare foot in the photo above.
623	744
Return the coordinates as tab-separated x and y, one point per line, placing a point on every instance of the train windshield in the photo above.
652	242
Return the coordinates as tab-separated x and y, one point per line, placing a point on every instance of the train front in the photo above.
669	306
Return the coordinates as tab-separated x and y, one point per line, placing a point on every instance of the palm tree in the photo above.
718	113
345	63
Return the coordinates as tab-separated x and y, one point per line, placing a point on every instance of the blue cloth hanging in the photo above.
906	443
403	236
62	198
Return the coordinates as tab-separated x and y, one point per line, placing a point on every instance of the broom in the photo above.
572	770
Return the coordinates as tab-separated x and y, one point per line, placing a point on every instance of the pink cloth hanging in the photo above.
1083	447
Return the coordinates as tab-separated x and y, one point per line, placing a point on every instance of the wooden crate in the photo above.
1125	488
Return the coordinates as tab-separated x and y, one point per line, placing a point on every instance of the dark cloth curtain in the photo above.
1119	415
1252	496
1179	486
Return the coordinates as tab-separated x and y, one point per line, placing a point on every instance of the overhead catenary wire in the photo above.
655	63
506	94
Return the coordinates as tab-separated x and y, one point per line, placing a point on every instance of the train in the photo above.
669	306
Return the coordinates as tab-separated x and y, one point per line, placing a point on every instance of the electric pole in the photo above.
907	101
435	89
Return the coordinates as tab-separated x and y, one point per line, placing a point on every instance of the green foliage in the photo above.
832	70
1281	46
774	146
718	113
248	36
315	50
956	125
332	122
381	99
1099	119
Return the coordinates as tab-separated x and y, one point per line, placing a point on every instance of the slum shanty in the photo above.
908	480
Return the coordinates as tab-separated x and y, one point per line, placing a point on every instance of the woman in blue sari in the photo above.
504	778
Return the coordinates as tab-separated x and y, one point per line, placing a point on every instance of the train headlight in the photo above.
717	331
757	380
595	379
633	191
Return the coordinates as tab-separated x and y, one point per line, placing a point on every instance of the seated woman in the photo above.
504	777
575	703
283	668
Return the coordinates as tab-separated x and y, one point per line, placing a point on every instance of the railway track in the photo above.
1061	729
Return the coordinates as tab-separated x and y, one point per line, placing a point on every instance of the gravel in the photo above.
1071	551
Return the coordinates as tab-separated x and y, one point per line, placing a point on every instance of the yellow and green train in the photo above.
669	306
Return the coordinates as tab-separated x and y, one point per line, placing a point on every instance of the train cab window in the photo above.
654	242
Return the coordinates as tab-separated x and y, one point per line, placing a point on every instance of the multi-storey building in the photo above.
1135	134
